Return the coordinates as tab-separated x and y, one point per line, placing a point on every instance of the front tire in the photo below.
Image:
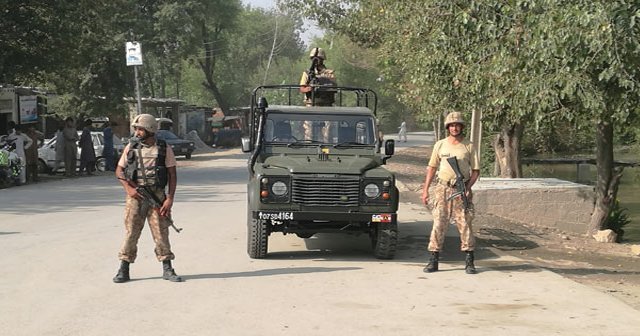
188	156
257	237
384	239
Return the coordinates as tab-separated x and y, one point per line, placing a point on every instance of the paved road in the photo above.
60	241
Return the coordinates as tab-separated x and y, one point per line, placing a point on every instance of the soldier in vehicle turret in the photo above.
316	85
317	78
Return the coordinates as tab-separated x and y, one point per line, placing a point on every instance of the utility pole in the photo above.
134	58
476	129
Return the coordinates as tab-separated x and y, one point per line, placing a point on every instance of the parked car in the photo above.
47	152
179	146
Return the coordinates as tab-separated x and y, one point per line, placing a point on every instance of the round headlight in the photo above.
279	188
371	190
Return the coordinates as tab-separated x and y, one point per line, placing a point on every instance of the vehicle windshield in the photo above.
313	129
166	135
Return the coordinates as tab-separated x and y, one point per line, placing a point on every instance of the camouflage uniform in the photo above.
151	164
453	210
135	213
325	77
446	211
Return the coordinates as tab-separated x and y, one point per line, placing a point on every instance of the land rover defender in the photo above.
318	169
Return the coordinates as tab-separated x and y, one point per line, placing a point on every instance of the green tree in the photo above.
519	63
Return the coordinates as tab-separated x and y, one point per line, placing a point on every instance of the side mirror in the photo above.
246	144
389	147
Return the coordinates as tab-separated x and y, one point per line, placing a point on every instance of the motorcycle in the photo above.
10	163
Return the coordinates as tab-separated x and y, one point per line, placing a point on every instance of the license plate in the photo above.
282	215
184	150
381	218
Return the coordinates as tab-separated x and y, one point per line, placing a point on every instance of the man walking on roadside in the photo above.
149	163
402	131
70	147
32	153
444	209
87	152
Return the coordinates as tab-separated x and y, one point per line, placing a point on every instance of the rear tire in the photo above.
384	239
101	164
43	168
257	237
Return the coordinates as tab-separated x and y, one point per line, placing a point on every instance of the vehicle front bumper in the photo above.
322	216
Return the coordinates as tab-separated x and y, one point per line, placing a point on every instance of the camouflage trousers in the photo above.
445	212
135	214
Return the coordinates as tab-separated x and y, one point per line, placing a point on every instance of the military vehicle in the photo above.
318	169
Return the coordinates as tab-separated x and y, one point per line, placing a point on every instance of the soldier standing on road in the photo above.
445	210
147	162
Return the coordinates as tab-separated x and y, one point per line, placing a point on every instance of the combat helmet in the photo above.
147	122
453	118
318	52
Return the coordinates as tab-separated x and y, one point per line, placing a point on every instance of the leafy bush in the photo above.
617	220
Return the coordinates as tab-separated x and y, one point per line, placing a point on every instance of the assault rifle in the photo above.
152	200
461	188
311	73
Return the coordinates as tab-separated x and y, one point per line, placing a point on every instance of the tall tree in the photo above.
518	62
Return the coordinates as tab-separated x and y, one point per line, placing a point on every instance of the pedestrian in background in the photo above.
108	151
22	143
59	149
70	147
445	210
32	152
87	152
402	131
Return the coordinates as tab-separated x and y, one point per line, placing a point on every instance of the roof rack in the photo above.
290	95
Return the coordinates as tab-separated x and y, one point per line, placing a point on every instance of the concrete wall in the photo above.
540	201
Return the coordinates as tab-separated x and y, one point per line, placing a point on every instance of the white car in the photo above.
47	153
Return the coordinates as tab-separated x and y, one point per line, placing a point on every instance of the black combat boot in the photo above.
169	273
470	268
432	266
123	273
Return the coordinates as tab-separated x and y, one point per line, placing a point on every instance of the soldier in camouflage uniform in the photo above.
316	93
324	77
444	211
145	162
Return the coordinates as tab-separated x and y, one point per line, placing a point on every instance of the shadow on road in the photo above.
260	273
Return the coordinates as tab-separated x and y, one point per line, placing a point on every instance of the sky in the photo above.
311	30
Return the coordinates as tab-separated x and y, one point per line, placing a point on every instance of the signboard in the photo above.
28	109
7	100
134	53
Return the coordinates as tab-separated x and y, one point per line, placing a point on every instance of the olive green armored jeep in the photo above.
318	169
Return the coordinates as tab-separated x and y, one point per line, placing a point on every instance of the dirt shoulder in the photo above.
606	267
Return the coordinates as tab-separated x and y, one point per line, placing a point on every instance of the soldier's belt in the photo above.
448	183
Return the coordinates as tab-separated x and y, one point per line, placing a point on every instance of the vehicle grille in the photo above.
318	190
